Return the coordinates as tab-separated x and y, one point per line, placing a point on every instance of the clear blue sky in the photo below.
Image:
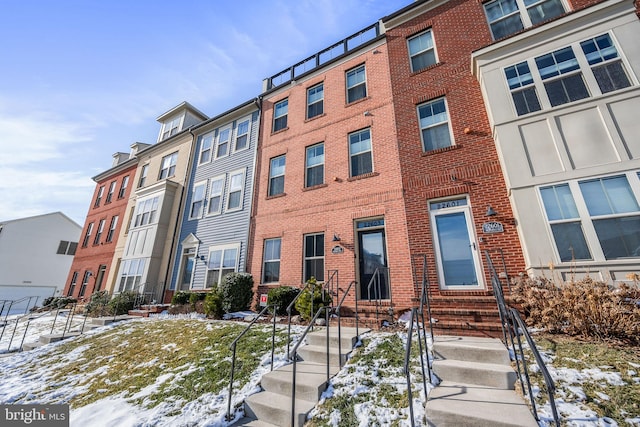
81	80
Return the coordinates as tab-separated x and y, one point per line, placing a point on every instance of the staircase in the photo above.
272	406
477	385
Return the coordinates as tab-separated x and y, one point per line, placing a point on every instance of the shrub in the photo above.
97	305
587	307
282	297
180	297
213	304
304	306
236	291
194	297
122	302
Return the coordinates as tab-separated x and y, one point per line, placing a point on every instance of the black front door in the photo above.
374	281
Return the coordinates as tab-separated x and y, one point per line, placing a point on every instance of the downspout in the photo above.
254	196
178	226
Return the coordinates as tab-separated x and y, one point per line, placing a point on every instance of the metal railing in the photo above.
294	357
407	359
512	328
377	282
337	310
234	344
289	309
11	303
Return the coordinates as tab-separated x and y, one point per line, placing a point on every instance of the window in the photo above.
569	74
605	63
171	128
112	189
215	195
222	261
314	171
562	77
356	84
595	219
242	135
72	285
421	51
197	200
168	166
206	145
523	91
146	211
85	282
87	235
280	112
236	189
123	187
271	263
67	248
99	196
222	149
131	274
112	228
361	161
96	240
315	101
434	125
276	176
314	256
143	175
507	17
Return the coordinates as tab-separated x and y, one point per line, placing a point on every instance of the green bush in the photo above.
236	291
304	306
180	297
194	297
282	297
122	302
57	302
97	305
213	304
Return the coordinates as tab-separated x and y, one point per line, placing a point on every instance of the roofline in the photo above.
41	215
115	169
255	100
183	104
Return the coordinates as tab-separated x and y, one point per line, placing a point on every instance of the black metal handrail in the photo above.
425	301
234	344
337	310
294	356
289	308
11	303
375	279
407	359
514	327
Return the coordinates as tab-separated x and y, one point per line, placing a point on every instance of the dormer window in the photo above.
171	127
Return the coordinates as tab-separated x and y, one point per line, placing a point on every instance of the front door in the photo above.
455	245
372	265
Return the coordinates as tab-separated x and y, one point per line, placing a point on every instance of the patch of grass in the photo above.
609	374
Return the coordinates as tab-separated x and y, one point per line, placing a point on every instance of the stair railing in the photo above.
294	356
289	308
234	344
11	303
337	310
407	360
376	281
513	324
425	301
332	284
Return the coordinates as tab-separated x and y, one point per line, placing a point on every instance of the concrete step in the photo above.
347	336
460	404
32	345
471	349
275	409
484	374
49	338
311	380
318	354
107	320
251	422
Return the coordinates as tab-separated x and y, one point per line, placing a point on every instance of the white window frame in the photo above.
305	258
87	235
123	187
272	176
171	127
307	167
169	165
234	189
446	122
315	102
144	170
112	189
96	239
522	11
423	51
146	211
277	117
133	269
223	143
112	229
351	154
265	260
218	193
202	188
221	269
210	138
238	135
99	196
355	71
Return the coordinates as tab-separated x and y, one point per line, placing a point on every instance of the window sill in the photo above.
430	67
441	150
363	176
280	130
357	101
276	196
315	187
315	117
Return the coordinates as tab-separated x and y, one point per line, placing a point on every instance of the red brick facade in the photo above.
336	206
96	257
